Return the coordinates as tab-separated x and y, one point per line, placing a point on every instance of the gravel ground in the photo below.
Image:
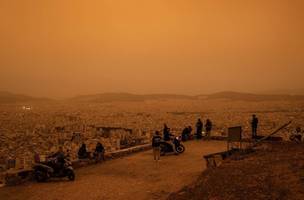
133	177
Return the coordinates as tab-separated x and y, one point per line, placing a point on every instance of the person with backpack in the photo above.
156	140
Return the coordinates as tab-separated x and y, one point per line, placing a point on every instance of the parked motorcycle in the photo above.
54	168
168	147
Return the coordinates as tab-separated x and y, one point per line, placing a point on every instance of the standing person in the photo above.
166	133
99	152
208	127
199	129
254	126
156	145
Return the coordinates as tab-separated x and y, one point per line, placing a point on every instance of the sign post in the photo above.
234	136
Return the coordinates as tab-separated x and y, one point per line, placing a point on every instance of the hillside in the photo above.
8	98
111	97
272	172
285	91
238	96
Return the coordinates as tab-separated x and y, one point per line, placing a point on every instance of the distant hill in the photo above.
111	97
228	95
8	98
285	91
238	96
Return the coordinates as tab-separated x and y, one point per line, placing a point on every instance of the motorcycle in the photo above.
168	147
53	168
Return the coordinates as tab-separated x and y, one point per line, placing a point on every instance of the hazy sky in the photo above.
60	48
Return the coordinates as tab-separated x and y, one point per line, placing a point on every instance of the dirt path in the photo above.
130	178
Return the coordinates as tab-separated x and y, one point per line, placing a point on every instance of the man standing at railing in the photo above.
208	128
254	126
199	129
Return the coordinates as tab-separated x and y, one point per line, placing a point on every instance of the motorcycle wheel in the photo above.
41	176
71	175
180	149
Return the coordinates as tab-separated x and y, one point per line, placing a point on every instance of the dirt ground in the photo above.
134	177
275	171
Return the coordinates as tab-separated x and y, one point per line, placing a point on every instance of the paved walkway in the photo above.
130	178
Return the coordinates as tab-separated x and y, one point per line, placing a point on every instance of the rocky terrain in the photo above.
274	171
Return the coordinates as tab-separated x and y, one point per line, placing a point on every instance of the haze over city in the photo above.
65	48
151	99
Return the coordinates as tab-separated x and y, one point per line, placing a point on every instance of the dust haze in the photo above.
87	86
65	48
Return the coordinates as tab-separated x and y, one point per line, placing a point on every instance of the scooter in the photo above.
52	168
168	147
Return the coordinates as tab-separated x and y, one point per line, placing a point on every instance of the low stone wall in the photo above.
16	177
113	155
216	159
222	138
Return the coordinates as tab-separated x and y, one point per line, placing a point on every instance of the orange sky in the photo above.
60	48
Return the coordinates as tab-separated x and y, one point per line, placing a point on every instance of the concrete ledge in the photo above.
224	138
216	159
112	155
17	177
125	152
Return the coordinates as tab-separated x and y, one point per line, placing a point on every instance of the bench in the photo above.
215	159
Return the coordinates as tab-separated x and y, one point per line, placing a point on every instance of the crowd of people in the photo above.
185	135
203	130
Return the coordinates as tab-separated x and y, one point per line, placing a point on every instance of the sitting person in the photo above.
186	134
59	155
82	153
99	152
166	133
58	159
190	133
